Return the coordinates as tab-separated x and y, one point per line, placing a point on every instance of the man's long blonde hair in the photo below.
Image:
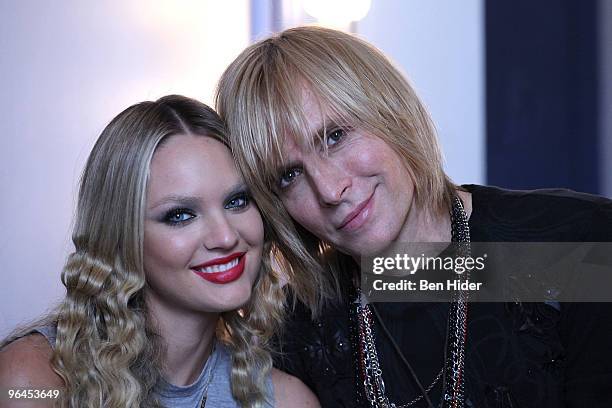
107	351
260	98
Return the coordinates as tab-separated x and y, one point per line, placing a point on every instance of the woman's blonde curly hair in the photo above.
107	351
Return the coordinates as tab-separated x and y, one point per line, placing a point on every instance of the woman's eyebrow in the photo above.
237	188
187	201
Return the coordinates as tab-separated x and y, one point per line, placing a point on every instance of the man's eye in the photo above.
237	202
334	137
178	216
289	177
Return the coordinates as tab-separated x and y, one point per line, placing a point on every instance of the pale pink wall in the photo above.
66	68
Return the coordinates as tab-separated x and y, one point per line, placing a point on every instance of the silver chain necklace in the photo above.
453	384
210	375
373	382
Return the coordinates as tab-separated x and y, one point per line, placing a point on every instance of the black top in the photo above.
517	354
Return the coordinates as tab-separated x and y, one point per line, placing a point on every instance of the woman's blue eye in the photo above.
334	137
289	176
178	216
237	202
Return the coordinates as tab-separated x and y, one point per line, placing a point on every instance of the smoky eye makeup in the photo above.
177	216
238	201
175	209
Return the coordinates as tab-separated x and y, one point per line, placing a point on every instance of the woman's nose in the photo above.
220	233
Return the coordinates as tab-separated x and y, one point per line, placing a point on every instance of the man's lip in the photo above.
355	212
219	261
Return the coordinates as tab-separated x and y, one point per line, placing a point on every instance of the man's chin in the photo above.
367	249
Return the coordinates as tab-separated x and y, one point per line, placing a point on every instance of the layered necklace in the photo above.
371	387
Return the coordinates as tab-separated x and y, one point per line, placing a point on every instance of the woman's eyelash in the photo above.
178	216
238	201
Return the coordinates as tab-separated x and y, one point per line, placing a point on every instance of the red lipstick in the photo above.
226	276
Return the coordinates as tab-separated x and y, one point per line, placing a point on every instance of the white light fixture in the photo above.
337	13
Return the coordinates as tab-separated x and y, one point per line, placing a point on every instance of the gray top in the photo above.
219	394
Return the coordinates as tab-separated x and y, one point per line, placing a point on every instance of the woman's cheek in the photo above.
171	248
252	227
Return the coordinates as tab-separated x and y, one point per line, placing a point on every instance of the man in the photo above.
340	151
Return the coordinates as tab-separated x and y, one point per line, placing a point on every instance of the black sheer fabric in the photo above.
517	355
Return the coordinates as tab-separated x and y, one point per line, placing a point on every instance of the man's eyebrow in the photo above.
314	140
286	166
327	125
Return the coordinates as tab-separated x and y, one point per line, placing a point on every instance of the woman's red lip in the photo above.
226	276
219	261
355	212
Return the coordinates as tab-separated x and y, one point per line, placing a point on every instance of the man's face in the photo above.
356	196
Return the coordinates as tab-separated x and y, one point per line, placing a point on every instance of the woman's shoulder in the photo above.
26	363
289	391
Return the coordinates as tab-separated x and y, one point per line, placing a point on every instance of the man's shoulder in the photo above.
539	215
544	196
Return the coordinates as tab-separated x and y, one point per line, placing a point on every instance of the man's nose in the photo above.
330	181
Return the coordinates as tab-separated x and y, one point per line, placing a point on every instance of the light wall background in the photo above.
66	68
440	47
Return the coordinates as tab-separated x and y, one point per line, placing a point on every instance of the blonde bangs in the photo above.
260	96
357	86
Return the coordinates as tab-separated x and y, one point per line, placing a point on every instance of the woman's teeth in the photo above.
221	267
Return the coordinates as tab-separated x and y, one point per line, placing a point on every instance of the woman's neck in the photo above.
188	339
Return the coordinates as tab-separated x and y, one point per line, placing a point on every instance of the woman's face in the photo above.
357	196
203	236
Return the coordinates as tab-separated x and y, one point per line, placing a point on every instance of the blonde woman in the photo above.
336	144
168	300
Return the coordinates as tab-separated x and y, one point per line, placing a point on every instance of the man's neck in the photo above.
423	225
